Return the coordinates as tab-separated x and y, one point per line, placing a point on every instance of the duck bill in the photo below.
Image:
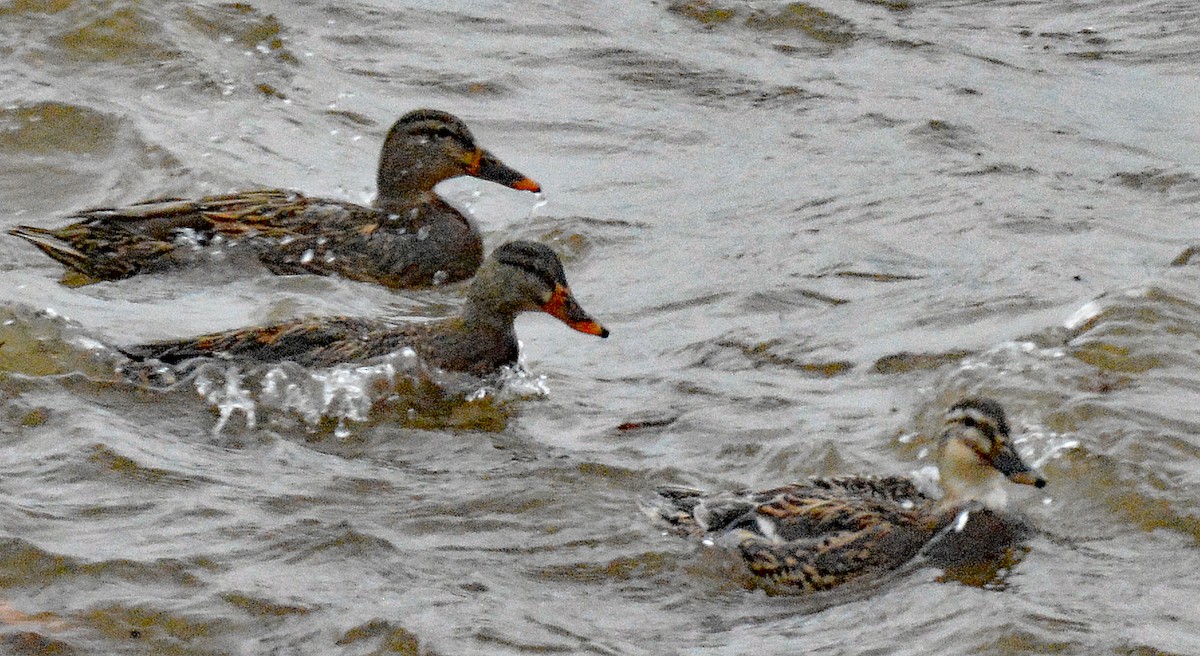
563	306
1011	465
487	166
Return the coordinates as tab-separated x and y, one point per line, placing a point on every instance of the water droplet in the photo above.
960	522
540	201
1083	315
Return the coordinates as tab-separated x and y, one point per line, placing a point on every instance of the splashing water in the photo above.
1052	445
349	394
346	393
222	387
960	522
539	202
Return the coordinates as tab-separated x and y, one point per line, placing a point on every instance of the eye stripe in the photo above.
540	274
982	424
535	259
444	132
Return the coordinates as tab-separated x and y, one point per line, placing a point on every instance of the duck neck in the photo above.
403	201
484	315
964	478
406	174
987	491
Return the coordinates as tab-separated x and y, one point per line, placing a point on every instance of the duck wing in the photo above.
300	341
111	243
812	535
820	534
382	255
812	564
99	252
273	212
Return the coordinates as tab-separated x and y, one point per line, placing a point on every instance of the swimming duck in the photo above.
520	276
409	238
819	534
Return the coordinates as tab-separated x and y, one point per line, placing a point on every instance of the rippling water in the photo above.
808	226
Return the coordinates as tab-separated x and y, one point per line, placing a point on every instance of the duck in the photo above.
408	238
519	276
824	532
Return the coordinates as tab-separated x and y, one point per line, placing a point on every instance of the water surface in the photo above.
808	226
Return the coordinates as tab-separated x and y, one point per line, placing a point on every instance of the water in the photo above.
807	230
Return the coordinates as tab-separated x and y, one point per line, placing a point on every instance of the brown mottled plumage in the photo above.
519	276
821	533
409	238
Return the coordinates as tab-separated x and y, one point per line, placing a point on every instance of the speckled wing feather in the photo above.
692	512
810	511
817	535
823	563
112	243
100	252
296	340
383	255
812	535
258	209
898	489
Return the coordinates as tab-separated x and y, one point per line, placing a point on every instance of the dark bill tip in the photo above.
589	328
527	184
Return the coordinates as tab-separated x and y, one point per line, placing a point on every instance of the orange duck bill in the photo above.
563	306
489	167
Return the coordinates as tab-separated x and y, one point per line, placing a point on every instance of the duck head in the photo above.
427	146
525	276
975	454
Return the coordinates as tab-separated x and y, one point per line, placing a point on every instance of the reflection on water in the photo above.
812	224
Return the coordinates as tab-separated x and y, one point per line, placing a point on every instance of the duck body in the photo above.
814	535
450	344
518	277
819	534
410	237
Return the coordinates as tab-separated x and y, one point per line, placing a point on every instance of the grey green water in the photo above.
809	227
